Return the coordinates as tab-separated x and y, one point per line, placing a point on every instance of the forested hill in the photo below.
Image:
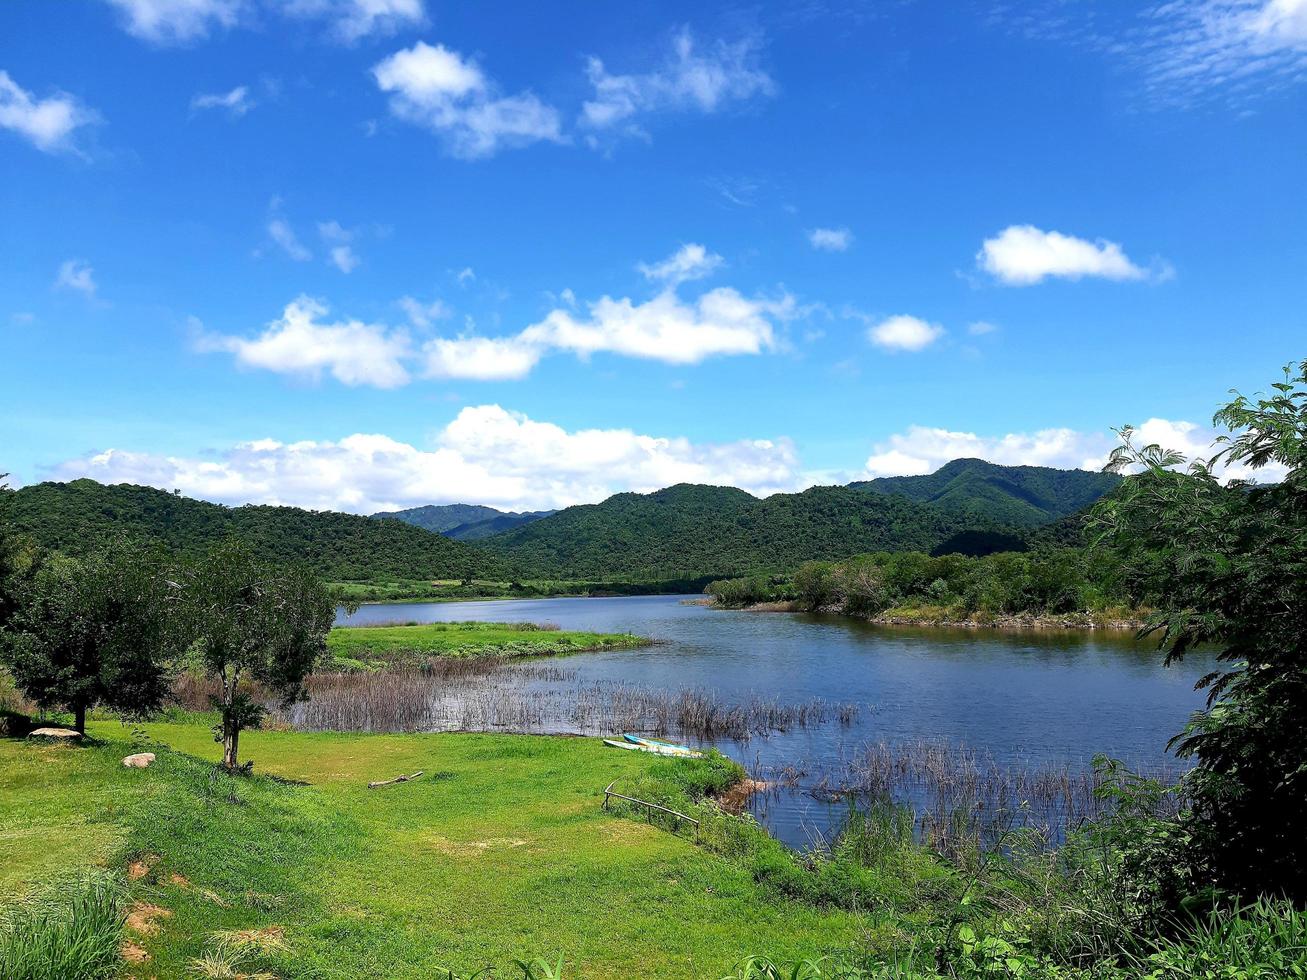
1020	496
690	530
441	517
78	516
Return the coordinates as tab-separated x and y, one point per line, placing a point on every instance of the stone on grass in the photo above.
138	761
58	734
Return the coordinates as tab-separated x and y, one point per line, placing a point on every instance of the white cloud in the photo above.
1022	255
298	342
77	275
686	263
687	80
47	123
353	20
344	259
830	239
237	101
923	449
440	89
480	358
485	455
907	333
980	328
168	22
665	328
280	231
424	315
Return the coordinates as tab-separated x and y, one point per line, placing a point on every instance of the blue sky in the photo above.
356	254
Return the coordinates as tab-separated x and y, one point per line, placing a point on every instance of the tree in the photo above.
93	632
1226	565
254	622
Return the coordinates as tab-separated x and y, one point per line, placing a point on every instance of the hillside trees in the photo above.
1226	565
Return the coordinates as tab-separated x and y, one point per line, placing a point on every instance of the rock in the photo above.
58	734
138	761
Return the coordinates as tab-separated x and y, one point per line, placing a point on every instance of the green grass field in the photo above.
352	646
501	850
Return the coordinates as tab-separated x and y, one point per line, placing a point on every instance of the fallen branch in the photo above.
397	779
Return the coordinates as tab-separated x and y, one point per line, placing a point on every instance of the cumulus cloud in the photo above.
424	315
49	123
237	102
77	275
687	80
435	87
480	358
904	333
924	449
302	342
487	455
830	239
1022	255
686	263
167	22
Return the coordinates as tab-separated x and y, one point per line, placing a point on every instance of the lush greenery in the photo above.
1226	565
687	531
1020	496
84	516
452	590
501	850
373	647
1058	582
68	928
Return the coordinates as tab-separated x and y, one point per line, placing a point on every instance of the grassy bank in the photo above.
409	644
1116	618
462	590
499	850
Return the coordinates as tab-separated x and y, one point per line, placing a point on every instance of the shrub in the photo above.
69	929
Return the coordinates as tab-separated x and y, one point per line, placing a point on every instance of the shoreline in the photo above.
1076	622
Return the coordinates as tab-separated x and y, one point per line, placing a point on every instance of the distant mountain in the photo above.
79	516
441	517
1019	496
463	522
690	530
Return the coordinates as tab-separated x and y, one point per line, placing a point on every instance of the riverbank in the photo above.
944	617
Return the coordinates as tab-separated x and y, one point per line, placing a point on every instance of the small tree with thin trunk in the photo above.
251	622
93	632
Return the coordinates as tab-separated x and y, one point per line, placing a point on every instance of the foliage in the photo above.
1019	496
83	516
98	631
69	928
410	645
687	530
249	621
463	522
1226	565
1046	582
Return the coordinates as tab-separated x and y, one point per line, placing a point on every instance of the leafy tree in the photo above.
94	632
1226	565
254	622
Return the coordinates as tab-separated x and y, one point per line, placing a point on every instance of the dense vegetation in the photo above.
688	530
83	516
1053	582
463	522
1020	496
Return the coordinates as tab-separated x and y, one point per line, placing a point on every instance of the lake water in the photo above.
1024	698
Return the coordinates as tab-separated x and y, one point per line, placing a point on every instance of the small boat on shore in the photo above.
638	744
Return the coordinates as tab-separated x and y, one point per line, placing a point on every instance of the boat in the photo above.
669	746
674	752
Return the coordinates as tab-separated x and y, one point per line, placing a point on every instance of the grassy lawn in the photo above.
386	645
500	851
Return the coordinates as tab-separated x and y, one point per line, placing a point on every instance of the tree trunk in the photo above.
79	715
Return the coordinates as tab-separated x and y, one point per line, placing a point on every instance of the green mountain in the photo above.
1018	496
441	517
78	516
463	522
688	530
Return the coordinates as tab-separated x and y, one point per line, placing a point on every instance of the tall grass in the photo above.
69	929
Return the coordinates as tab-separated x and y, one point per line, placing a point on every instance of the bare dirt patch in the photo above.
133	953
143	918
737	797
475	848
141	867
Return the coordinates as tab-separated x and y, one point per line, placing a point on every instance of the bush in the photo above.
70	929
